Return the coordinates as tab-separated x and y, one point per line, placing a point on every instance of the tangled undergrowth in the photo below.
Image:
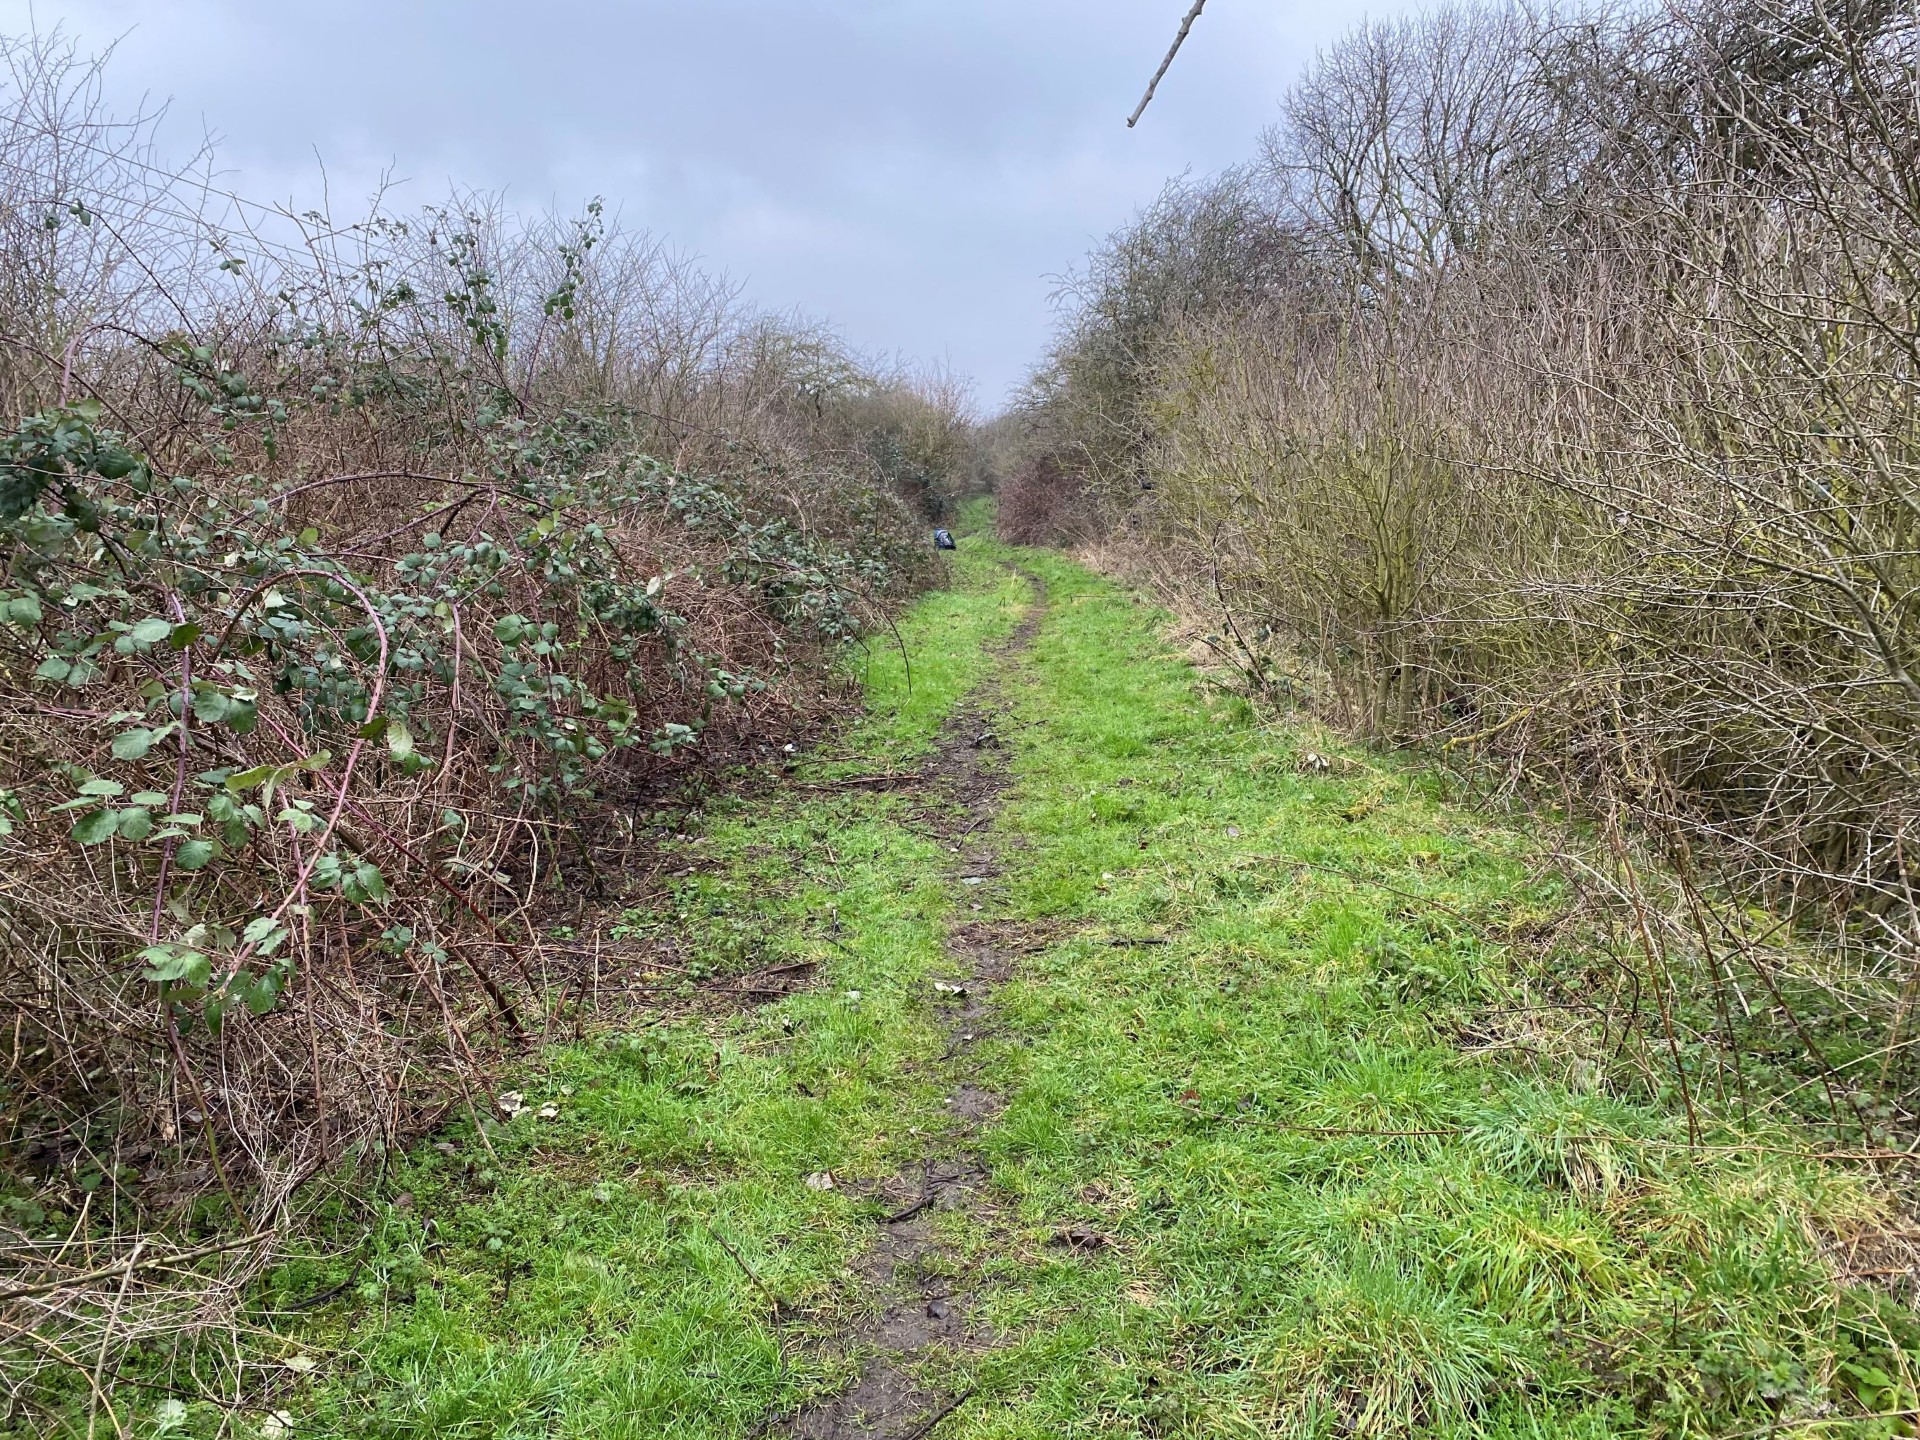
364	592
1541	395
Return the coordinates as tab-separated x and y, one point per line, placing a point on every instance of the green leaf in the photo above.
135	824
194	855
152	799
23	610
302	820
171	964
94	827
132	744
266	934
184	635
98	786
247	779
259	995
114	464
54	668
370	884
212	706
150	631
399	740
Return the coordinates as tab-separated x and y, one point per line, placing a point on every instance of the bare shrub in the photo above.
1040	504
1577	434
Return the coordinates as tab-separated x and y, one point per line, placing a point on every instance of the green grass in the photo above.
1517	1256
912	678
1532	1269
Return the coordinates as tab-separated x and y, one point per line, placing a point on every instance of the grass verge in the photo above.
1300	1194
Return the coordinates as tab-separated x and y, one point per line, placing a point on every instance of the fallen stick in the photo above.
925	1427
863	782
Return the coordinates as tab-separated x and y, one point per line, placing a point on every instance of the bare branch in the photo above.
1166	64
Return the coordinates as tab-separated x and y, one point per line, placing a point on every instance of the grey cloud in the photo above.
912	171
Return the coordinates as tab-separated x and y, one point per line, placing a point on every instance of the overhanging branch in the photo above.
1166	64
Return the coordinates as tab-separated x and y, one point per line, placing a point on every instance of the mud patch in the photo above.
921	1289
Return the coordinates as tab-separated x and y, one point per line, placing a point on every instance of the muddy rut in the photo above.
919	1315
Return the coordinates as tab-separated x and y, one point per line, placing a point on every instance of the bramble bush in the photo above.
362	589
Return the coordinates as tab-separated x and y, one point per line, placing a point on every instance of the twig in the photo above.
900	1216
1166	64
925	1427
128	1266
927	1197
779	1305
106	1339
866	782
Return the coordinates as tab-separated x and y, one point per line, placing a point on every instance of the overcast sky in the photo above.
912	171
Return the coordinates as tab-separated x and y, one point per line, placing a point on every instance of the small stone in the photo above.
821	1180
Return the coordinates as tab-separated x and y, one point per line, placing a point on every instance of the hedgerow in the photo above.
363	589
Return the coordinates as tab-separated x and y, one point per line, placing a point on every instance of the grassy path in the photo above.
1154	1078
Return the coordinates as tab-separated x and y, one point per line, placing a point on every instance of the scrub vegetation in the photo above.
363	586
1368	897
1543	393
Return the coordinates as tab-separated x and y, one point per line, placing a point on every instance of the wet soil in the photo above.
922	1293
